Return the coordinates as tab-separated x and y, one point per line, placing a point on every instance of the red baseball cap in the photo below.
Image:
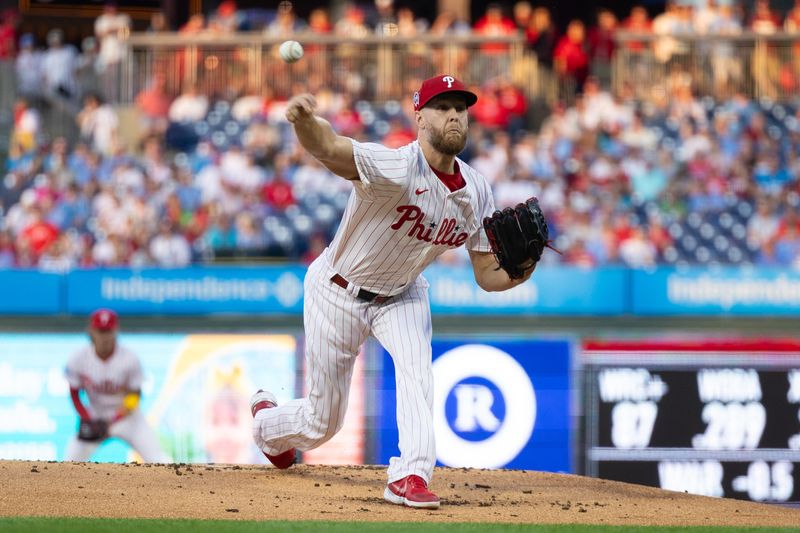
104	320
439	85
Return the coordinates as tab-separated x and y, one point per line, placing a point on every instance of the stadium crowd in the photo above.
670	178
573	52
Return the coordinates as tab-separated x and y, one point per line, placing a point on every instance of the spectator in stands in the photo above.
522	13
764	20
763	226
408	25
385	19
446	23
58	66
316	245
158	23
451	56
601	46
277	192
111	30
27	124
98	124
220	236
86	68
787	247
541	36
666	24
9	20
153	103
7	255
400	133
705	17
570	58
28	66
579	256
247	106
637	251
353	23
789	220
189	106
638	21
318	21
169	248
249	237
38	234
494	23
724	61
286	22
770	174
58	257
226	18
657	233
196	24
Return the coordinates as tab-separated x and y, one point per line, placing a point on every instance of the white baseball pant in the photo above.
336	325
132	429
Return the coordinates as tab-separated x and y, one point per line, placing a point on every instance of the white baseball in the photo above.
291	51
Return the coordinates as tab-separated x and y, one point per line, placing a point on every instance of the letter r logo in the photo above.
475	408
449	81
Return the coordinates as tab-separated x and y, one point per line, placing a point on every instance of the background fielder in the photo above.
111	375
408	206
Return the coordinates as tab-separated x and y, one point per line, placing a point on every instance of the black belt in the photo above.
367	296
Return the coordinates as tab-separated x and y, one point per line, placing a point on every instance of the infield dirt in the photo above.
355	493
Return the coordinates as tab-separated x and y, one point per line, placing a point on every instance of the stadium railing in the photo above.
373	68
754	65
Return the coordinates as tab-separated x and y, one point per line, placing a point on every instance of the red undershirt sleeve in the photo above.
83	413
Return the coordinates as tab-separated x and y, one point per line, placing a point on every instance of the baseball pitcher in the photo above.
408	205
111	375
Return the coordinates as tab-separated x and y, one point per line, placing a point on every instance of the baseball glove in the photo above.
518	236
93	430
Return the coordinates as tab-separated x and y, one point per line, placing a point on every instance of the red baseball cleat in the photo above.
266	400
411	491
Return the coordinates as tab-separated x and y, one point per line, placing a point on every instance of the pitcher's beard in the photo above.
449	144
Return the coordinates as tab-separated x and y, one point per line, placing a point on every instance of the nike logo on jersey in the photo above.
420	191
446	235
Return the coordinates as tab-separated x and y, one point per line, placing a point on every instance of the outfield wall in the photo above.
278	290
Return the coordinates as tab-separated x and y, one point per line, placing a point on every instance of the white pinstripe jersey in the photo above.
105	382
401	216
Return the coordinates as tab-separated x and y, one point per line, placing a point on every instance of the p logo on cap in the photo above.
437	85
104	320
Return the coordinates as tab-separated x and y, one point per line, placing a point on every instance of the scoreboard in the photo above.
711	418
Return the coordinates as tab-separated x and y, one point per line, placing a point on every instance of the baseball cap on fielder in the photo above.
104	320
439	85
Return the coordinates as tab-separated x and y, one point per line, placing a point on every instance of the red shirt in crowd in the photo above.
495	27
39	236
8	40
573	55
489	111
278	194
398	136
601	44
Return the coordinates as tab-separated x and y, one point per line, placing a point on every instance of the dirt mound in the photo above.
354	493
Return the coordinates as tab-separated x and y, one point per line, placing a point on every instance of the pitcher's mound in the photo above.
354	493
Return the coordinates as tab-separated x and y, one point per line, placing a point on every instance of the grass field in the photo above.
87	525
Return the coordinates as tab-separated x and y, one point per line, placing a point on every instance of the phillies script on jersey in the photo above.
446	234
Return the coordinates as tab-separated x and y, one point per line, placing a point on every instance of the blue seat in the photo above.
735	255
721	243
702	255
706	231
688	243
694	220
